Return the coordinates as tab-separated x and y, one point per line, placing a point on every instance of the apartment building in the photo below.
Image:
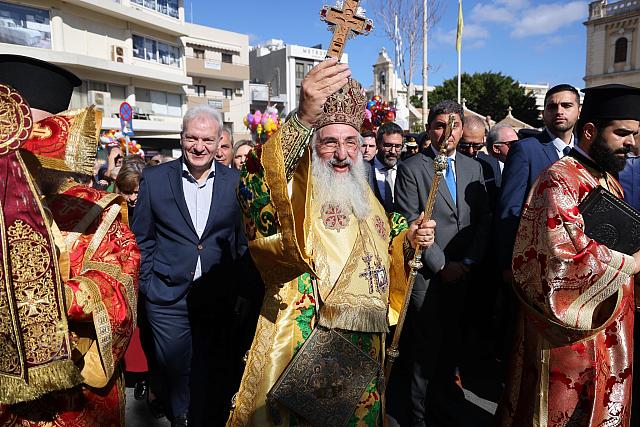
123	50
277	70
218	63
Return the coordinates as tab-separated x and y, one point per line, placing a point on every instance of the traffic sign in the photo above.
126	112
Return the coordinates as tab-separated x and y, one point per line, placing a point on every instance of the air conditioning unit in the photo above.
226	117
102	100
117	53
239	91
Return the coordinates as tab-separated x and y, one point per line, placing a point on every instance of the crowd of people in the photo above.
259	284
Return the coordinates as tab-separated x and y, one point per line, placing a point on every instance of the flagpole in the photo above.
425	92
459	76
459	47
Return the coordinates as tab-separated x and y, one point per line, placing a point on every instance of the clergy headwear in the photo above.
44	85
610	102
345	106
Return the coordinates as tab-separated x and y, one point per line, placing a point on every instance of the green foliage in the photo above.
490	94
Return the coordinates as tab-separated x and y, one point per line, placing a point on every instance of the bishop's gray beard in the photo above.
347	190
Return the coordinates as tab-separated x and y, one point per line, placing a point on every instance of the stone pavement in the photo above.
137	413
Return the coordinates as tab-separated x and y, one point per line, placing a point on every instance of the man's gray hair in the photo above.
202	110
228	132
493	137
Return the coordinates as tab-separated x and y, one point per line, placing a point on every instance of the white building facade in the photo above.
277	70
122	50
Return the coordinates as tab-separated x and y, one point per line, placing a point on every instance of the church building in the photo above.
613	47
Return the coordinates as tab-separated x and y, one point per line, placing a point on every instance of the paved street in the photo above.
137	413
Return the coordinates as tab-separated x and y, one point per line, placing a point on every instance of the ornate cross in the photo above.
31	302
345	22
377	274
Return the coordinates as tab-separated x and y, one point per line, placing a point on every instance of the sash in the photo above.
35	350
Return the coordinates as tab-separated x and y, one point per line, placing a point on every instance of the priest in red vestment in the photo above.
69	377
572	358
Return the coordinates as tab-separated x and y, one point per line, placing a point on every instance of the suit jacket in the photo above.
492	177
629	178
462	229
370	170
526	159
168	242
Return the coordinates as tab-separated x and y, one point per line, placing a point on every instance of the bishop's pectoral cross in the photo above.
345	23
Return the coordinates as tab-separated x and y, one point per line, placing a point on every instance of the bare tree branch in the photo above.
410	26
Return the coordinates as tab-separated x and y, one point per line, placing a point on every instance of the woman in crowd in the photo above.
240	151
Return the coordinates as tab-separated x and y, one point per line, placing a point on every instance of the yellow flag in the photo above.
460	27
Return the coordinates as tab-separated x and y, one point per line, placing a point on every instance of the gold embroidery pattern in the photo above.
90	294
294	141
34	289
258	357
15	119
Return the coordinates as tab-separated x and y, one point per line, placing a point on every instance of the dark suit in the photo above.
184	314
629	178
525	161
370	169
492	177
462	229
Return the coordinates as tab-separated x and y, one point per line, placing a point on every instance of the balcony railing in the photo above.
599	10
217	69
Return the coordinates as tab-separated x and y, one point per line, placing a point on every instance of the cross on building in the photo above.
346	23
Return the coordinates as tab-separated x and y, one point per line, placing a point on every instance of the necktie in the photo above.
388	190
566	150
450	178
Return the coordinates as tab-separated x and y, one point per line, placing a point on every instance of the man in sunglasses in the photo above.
472	140
499	140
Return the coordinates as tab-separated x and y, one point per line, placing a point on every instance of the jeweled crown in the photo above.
345	106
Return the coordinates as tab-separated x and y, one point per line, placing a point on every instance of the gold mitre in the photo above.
68	141
345	106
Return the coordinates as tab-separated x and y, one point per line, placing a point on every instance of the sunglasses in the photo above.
467	145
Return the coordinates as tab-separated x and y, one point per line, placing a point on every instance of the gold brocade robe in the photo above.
572	358
358	266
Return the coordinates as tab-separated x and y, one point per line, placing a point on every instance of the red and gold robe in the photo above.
573	349
99	262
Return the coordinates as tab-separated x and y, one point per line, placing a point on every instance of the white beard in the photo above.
349	190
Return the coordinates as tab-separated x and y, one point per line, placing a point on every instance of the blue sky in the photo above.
534	41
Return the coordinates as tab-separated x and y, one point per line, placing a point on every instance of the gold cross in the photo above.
346	23
32	302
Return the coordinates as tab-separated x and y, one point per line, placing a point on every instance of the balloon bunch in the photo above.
115	138
262	125
379	111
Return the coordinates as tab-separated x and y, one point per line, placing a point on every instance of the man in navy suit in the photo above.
188	227
384	167
528	158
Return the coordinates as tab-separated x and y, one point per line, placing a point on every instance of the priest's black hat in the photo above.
610	102
45	86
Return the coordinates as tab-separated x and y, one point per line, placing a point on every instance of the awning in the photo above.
213	45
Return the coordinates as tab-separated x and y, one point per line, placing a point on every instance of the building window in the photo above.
156	51
201	90
166	7
620	54
299	71
24	26
157	102
228	93
198	53
227	58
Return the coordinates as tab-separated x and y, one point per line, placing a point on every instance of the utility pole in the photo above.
425	101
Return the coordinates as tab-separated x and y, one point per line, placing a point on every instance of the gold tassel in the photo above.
59	375
350	318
